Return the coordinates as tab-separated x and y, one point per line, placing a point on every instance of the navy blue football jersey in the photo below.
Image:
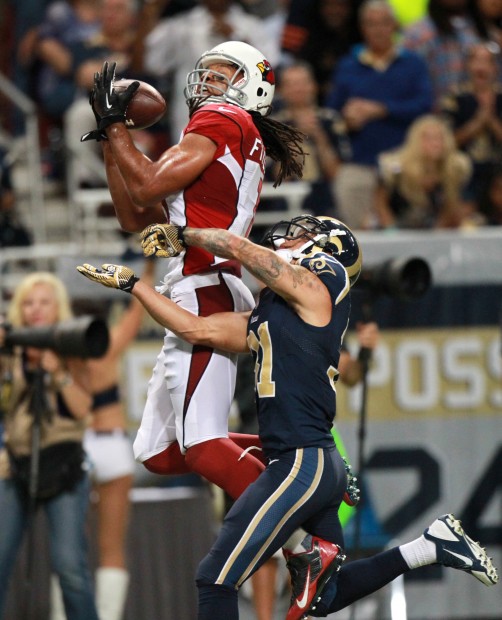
296	364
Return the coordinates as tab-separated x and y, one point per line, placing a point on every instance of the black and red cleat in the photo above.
310	571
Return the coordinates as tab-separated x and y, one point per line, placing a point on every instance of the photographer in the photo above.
350	367
46	405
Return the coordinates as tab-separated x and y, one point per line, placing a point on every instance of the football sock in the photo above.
217	602
360	578
419	552
111	592
298	542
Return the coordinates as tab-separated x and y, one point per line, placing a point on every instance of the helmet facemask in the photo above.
304	226
322	234
228	89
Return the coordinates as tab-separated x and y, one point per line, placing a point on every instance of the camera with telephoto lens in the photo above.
83	337
400	278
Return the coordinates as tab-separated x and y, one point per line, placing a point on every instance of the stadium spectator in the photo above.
320	33
115	39
421	182
32	375
18	23
65	25
488	20
49	46
109	449
490	201
442	38
474	110
326	142
12	230
379	89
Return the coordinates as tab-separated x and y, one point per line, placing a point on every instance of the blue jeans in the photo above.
66	515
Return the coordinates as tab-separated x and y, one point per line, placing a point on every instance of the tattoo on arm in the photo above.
263	264
268	268
214	240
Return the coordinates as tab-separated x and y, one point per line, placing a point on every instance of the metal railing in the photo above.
32	153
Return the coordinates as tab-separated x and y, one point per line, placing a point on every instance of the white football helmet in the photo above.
251	87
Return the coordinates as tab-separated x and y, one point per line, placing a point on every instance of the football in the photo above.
146	107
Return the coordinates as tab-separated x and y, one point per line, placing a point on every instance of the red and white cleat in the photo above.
310	571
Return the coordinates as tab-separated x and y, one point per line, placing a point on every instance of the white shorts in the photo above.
192	387
110	454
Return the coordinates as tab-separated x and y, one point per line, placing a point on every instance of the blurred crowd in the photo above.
401	105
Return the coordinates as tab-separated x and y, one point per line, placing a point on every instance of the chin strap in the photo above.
300	253
308	248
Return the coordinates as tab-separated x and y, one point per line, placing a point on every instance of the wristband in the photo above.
131	284
181	235
106	121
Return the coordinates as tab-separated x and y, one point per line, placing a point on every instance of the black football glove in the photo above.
162	240
95	134
113	276
108	105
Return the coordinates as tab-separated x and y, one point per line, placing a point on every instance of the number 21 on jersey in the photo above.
263	366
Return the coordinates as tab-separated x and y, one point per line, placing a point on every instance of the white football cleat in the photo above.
456	550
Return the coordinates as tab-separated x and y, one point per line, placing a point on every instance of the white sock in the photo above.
57	605
111	592
419	552
298	542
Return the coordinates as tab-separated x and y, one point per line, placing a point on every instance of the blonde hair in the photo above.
453	168
14	313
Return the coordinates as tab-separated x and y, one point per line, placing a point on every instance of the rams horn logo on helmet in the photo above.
266	71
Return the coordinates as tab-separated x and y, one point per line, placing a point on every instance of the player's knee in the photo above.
208	573
168	462
202	455
157	465
204	576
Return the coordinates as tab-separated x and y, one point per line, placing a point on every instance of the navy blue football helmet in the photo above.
322	234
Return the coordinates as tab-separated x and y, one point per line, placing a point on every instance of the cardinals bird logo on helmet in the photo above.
267	72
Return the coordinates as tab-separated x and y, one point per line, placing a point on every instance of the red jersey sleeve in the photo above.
219	123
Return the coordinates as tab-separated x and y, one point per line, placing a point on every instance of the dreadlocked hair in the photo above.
283	144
